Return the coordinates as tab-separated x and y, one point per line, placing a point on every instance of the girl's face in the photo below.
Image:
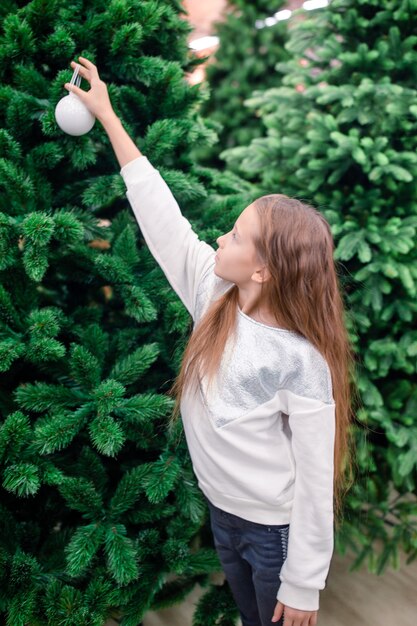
236	258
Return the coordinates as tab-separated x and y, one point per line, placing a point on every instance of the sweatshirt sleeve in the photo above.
310	542
183	258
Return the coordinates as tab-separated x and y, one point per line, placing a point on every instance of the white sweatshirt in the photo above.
262	442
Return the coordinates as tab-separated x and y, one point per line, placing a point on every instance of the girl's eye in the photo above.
234	235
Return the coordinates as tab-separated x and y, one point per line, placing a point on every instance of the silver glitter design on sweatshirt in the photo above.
261	361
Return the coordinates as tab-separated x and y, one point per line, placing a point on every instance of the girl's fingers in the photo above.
82	71
79	92
86	69
89	65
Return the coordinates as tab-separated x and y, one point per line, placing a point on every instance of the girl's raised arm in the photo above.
183	258
97	100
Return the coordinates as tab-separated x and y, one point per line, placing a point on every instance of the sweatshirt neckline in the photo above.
280	330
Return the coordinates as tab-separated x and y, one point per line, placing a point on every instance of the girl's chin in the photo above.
219	272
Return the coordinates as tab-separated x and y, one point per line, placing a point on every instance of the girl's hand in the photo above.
97	98
294	617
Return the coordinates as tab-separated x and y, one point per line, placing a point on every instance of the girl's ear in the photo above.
262	275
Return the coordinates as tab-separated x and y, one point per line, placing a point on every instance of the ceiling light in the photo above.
283	15
309	5
204	42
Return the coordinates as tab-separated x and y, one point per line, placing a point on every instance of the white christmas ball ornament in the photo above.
72	116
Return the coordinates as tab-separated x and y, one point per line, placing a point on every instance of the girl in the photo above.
263	388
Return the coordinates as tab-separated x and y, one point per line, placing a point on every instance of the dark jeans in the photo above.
251	555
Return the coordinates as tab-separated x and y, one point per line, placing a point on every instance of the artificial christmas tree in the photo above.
99	504
341	133
245	60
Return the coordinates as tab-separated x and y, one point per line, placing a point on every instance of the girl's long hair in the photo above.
303	292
